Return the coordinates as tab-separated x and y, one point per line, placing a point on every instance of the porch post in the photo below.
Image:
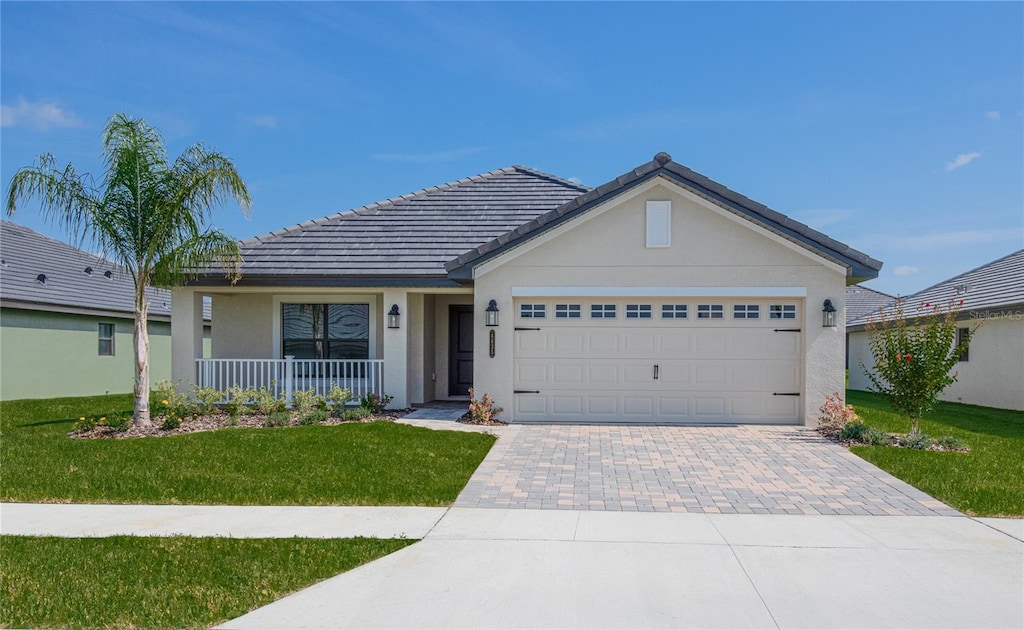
396	348
414	324
186	335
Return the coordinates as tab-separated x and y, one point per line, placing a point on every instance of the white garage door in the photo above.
672	360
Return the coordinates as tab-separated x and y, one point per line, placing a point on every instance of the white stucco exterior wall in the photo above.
709	248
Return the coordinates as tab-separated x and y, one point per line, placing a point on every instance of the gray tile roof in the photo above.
25	255
985	291
861	300
407	238
859	266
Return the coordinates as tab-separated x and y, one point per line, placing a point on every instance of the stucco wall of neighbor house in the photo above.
993	375
45	354
709	248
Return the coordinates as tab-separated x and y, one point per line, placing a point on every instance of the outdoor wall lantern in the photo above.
393	316
828	315
492	313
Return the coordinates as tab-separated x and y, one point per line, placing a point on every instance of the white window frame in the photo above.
746	311
710	311
603	311
675	311
639	311
782	311
533	311
659	224
568	311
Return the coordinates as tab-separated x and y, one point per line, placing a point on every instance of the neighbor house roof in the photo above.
987	291
404	240
859	266
862	300
41	273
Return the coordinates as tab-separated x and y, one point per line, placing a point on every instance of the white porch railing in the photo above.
284	376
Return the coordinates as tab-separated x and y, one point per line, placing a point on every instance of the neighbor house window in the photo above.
568	311
106	340
673	311
532	311
325	331
746	311
710	311
638	311
962	335
782	311
602	311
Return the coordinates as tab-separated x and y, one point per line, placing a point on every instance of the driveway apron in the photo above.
728	470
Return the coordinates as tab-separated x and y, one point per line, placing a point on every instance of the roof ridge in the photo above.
555	178
961	275
380	205
861	286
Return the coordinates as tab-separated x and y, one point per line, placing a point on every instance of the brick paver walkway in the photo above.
745	470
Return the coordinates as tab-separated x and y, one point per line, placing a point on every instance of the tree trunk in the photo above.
141	338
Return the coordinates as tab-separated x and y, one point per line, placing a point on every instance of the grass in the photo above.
128	582
988	481
379	463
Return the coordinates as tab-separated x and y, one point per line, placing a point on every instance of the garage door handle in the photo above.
525	391
785	393
656	368
521	328
787	330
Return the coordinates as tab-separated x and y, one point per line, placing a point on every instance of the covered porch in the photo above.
413	345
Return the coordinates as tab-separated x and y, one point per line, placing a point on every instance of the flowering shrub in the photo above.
835	415
914	356
304	402
482	411
337	398
376	404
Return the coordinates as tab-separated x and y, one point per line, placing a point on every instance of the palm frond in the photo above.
196	255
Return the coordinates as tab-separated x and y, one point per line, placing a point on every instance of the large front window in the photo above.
326	331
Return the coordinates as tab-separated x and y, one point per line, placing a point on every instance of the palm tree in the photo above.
148	215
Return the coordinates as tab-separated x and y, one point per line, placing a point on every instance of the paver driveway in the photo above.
735	470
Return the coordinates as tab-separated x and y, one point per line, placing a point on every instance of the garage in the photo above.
674	360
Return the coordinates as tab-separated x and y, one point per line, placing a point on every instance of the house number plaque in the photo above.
491	344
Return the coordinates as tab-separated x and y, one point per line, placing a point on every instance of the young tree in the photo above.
148	214
914	356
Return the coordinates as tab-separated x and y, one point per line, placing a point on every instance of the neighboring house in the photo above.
661	296
859	302
992	371
66	321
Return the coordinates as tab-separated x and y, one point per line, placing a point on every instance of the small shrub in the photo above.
314	417
357	414
304	402
951	443
834	415
118	421
231	420
338	397
920	441
170	422
160	392
243	397
853	431
482	411
278	419
266	403
205	400
874	437
85	423
234	409
376	404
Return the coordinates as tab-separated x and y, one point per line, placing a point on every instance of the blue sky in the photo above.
895	128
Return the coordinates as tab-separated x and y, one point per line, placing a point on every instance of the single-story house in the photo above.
658	297
66	321
991	373
860	301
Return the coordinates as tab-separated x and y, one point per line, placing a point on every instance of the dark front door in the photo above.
460	350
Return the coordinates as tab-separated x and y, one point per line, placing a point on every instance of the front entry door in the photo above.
460	350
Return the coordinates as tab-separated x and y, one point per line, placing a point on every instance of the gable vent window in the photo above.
602	311
659	224
673	311
532	311
782	311
710	311
568	311
106	348
746	311
638	311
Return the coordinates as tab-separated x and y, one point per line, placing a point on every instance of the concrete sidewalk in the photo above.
482	568
87	520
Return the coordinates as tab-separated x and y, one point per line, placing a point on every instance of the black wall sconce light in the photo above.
491	314
828	315
393	316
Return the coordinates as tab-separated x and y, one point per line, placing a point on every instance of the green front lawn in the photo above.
988	481
127	582
380	463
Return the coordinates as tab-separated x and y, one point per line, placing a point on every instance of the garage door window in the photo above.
568	311
746	311
782	311
638	311
673	311
602	311
710	311
532	311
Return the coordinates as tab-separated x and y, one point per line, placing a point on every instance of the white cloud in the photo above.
40	115
962	160
265	121
429	158
905	270
994	115
576	180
